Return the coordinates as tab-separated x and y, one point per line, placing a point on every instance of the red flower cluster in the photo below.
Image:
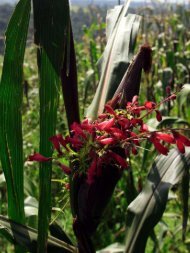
112	138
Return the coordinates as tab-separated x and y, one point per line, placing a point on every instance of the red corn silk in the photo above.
129	105
67	186
127	151
137	110
135	122
119	159
134	109
172	97
168	90
134	150
107	141
135	140
124	123
39	158
76	128
102	116
64	168
100	137
117	133
180	146
149	105
75	141
181	141
135	99
56	144
181	138
105	125
62	141
158	146
144	128
92	172
164	137
87	126
110	110
158	115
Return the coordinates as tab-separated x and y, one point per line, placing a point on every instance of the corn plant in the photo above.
99	148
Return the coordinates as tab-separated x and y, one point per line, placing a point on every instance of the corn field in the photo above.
95	132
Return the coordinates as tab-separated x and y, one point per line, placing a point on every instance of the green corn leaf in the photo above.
147	209
122	32
51	22
11	150
27	237
166	122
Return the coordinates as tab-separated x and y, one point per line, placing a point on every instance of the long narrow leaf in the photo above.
11	151
51	21
122	31
147	209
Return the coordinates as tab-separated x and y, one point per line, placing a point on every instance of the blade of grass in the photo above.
51	20
11	149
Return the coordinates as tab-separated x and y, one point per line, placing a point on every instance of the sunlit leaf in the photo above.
166	122
51	22
147	209
122	31
11	149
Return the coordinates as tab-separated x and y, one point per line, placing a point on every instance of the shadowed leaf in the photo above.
27	237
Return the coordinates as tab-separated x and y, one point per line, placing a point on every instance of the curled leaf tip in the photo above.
65	168
147	57
39	158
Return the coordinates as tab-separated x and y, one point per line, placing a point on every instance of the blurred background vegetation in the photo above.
166	27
